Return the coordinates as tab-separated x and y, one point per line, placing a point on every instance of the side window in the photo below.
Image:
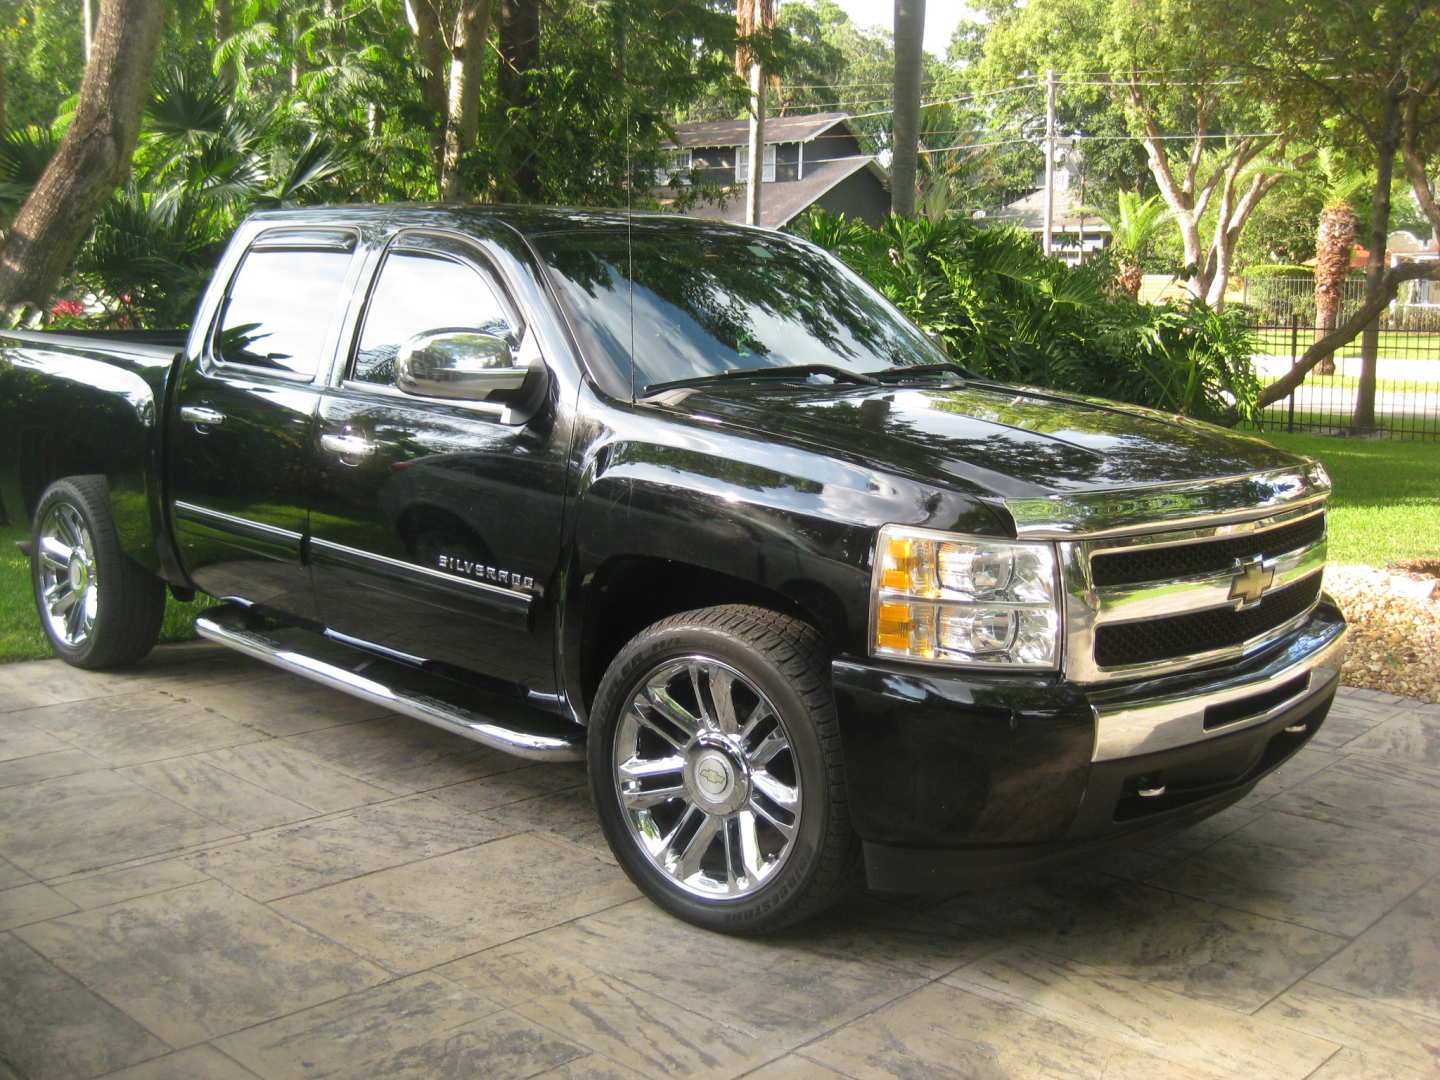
418	292
280	305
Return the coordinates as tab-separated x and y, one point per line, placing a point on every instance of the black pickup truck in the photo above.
691	502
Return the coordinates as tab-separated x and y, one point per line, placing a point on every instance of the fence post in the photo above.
1294	356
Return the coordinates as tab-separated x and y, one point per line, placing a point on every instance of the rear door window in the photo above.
279	310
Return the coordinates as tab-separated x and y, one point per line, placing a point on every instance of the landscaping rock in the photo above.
1394	617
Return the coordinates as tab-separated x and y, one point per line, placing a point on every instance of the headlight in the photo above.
949	599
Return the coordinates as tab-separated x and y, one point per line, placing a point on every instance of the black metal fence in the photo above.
1407	389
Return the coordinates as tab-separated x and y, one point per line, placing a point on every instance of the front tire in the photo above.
98	608
715	762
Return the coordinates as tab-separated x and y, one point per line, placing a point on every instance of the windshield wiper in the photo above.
784	371
902	372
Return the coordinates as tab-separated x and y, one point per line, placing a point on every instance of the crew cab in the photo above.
693	503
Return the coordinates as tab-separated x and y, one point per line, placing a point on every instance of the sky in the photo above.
940	18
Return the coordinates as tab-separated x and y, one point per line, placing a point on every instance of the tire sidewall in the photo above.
635	661
108	564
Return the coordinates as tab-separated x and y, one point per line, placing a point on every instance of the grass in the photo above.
1277	418
1422	387
1386	506
20	635
1387	496
1394	344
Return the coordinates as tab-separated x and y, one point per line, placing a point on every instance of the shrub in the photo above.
1006	310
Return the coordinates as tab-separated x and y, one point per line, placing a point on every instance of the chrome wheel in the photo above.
69	577
708	783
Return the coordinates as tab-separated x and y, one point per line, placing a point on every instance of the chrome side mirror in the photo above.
466	365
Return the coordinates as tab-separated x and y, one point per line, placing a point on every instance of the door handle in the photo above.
199	414
351	446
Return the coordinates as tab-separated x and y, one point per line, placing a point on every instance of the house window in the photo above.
742	165
676	169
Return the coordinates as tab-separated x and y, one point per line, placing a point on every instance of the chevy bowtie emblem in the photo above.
1250	582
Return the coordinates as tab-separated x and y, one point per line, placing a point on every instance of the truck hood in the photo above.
986	438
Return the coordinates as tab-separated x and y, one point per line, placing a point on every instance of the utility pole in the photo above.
1048	237
757	144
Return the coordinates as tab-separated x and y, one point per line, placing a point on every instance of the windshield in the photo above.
713	299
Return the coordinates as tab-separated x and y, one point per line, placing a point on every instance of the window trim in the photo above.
289	238
767	170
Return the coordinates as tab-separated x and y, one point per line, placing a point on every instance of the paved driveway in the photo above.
211	870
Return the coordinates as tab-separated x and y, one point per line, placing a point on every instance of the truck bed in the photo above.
150	344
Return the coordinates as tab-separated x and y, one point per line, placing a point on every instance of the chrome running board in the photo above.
228	626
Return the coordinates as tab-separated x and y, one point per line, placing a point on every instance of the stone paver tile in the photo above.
424	913
769	990
590	1067
1397	960
511	787
279	704
199	961
569	814
1350	717
1197	837
1412	737
654	1036
202	1062
885	934
53	1028
27	770
31	903
91	820
1369	793
1179	1029
945	1033
795	1067
144	725
216	794
293	774
1192	947
1315	873
422	1027
1405	1040
403	755
1298	769
307	856
112	886
53	682
1352	1064
11	875
19	740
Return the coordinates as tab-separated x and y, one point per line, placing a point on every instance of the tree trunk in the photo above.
1334	243
519	26
909	62
462	117
424	22
1387	146
90	10
223	21
1129	276
92	158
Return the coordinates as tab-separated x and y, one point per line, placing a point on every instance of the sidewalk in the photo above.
212	870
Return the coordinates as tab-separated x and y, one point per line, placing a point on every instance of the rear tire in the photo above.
715	762
99	609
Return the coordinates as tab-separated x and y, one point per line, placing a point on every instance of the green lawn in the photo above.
1394	344
1387	496
20	635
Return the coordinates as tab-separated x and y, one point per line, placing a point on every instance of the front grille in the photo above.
1151	640
1130	566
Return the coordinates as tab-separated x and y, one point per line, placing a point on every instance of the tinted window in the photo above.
280	307
418	292
686	301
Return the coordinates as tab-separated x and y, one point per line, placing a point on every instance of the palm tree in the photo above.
1339	181
1135	225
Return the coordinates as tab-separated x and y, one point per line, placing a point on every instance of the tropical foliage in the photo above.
1004	309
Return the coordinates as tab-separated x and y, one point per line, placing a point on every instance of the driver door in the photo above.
435	524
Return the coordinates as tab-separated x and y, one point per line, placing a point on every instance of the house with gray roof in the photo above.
814	159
